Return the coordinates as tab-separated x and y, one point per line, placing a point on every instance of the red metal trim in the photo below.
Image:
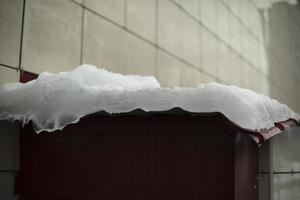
27	76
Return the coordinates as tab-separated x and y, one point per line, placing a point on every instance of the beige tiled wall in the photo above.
228	41
52	35
10	31
8	75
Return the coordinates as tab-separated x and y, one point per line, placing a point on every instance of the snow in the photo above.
55	100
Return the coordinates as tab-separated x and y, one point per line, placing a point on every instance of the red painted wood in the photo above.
131	157
27	76
246	168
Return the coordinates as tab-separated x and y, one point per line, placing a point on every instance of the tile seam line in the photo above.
175	56
240	20
21	36
199	22
168	52
222	1
229	46
82	34
220	39
146	40
8	66
226	6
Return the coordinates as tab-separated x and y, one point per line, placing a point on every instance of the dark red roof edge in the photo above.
255	135
259	136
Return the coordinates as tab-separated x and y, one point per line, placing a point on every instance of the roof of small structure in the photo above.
53	101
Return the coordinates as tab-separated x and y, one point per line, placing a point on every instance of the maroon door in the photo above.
131	157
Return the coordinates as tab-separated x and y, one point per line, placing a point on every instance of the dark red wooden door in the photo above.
136	158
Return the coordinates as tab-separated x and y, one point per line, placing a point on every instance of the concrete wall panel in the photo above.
193	7
140	56
169	27
8	75
168	70
10	31
104	44
112	9
190	40
190	77
208	13
52	33
141	18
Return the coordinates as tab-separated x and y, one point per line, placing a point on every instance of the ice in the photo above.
55	100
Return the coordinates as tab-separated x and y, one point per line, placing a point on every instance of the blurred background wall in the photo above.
253	44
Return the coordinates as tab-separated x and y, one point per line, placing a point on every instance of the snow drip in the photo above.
55	100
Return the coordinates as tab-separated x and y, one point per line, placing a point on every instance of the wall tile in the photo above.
114	49
190	40
193	7
208	52
10	31
168	70
208	13
51	35
179	2
141	17
206	79
8	75
140	56
235	64
104	44
222	23
235	6
190	77
223	67
169	26
244	12
234	33
79	1
112	9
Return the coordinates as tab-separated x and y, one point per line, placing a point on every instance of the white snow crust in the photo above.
55	100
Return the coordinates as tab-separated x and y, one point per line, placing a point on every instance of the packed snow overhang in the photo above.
53	101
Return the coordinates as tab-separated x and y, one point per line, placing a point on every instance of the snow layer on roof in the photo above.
55	100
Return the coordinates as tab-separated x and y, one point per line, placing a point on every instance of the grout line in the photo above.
8	66
156	21
221	40
125	13
179	58
156	36
148	41
82	35
21	38
240	20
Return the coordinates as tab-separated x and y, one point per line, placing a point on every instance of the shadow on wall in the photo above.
281	41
